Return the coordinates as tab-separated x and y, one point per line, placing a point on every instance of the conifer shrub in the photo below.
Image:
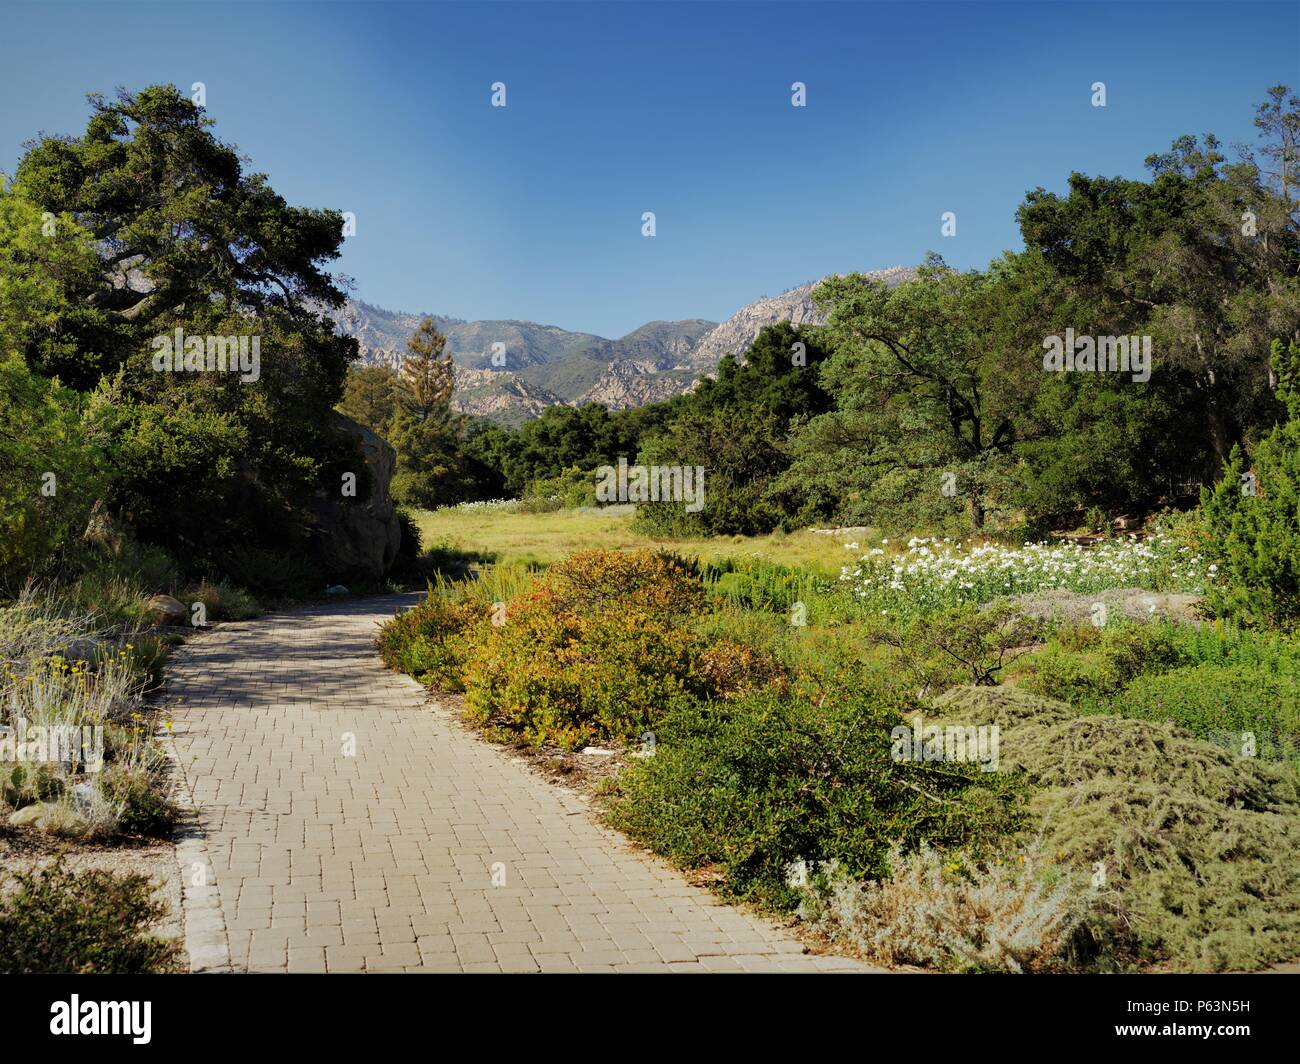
1193	853
1252	517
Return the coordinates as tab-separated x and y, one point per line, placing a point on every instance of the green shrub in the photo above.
433	640
222	602
500	582
23	784
41	435
237	604
1221	703
141	795
1218	643
88	922
206	594
408	549
118	602
964	644
146	656
758	785
760	585
1087	666
1253	525
271	573
567	490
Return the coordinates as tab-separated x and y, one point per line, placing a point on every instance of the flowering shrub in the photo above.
553	674
501	505
594	651
933	574
734	669
599	580
59	676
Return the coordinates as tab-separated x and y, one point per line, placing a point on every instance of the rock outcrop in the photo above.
358	537
734	335
504	397
626	383
167	610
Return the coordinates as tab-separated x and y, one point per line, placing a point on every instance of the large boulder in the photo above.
354	536
167	610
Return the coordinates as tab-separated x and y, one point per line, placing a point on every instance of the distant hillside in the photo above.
546	365
383	335
734	335
506	398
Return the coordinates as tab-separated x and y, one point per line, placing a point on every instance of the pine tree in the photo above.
424	431
427	375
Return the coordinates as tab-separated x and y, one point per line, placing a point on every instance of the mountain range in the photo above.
535	366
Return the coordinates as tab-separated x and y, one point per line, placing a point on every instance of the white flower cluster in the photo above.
505	505
934	573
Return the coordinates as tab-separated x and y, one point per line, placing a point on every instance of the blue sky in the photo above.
533	211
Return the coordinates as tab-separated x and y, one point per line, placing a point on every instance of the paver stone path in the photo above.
345	822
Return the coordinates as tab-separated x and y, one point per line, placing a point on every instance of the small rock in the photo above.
167	610
30	814
336	589
85	795
599	751
82	650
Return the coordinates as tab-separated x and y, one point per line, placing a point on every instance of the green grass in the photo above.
543	538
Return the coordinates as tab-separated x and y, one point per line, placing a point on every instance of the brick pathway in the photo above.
305	859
